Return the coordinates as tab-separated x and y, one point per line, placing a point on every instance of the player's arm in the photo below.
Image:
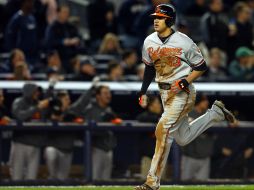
149	75
183	84
197	72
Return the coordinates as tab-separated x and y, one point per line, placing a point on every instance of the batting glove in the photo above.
180	85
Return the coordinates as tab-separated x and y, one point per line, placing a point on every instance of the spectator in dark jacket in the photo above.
63	37
213	26
25	148
128	12
21	33
101	19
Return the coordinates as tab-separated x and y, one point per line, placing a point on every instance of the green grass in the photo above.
173	187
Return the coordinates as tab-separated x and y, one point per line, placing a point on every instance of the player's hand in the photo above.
180	85
142	100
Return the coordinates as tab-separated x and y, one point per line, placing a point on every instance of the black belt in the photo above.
164	86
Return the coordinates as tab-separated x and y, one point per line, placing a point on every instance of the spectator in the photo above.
129	62
147	142
63	37
103	141
240	29
59	150
115	72
16	56
101	19
21	72
216	71
45	13
197	9
21	33
25	148
128	12
84	69
242	68
196	155
4	114
213	27
110	45
54	61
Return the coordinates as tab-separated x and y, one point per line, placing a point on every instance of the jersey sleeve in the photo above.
195	58
145	56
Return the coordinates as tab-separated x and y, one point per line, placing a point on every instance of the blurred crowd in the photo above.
42	38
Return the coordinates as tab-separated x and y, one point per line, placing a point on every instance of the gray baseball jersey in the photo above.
173	59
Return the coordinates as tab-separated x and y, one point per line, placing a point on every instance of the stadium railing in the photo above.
126	126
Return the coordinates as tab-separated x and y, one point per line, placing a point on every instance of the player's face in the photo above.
159	24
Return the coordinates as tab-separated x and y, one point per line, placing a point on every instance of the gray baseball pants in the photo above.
24	161
58	163
174	124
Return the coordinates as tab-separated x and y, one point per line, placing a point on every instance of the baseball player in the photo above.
175	61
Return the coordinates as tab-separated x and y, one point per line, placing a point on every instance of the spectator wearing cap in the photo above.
83	69
196	155
242	68
129	62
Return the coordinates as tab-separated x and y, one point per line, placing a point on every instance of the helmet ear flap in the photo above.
169	22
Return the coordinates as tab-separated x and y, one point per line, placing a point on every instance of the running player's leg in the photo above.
175	108
188	132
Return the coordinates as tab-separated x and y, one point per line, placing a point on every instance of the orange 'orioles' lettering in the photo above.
171	54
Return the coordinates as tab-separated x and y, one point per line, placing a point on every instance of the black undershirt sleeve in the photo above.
148	78
202	67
